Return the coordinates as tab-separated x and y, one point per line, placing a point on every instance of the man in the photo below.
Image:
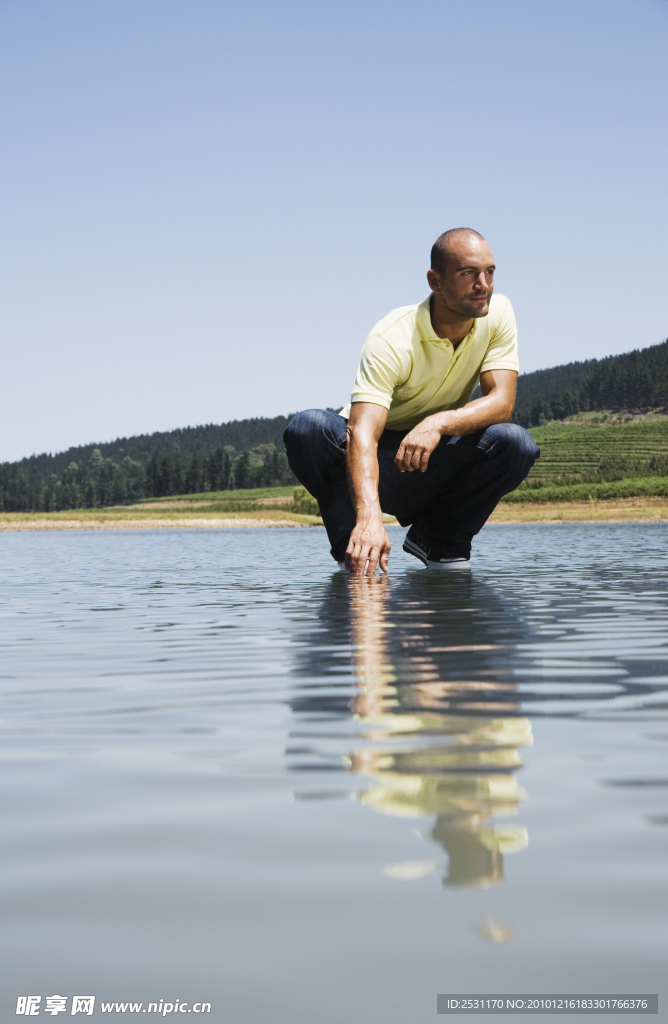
411	443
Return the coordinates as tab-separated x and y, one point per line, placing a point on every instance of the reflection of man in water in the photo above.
411	410
436	706
465	778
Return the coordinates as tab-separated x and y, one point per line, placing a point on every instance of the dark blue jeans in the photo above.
450	502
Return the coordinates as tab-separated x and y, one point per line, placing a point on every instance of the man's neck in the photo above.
447	324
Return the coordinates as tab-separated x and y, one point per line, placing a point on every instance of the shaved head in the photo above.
442	248
461	276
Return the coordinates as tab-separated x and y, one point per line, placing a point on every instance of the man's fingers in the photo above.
358	559
407	461
364	560
410	457
400	458
372	556
352	556
378	556
357	565
367	549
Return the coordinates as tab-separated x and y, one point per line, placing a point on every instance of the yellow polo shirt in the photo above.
411	372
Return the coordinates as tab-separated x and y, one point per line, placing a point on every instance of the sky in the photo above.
207	205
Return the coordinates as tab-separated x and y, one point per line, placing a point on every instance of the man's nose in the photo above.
481	280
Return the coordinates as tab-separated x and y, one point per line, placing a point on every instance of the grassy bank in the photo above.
192	516
249	495
622	510
171	515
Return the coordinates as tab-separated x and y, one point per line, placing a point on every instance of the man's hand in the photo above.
418	444
368	546
495	406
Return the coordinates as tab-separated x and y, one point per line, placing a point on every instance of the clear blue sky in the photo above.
207	205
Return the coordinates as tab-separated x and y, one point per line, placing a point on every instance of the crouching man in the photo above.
411	443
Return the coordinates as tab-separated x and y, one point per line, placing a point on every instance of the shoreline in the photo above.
626	510
605	510
214	523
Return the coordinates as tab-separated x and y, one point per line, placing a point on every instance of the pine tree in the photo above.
193	476
241	470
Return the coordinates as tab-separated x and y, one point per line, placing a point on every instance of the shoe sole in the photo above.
453	563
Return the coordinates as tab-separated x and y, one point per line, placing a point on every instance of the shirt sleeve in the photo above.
381	369
502	349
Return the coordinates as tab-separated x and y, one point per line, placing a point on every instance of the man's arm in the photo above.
496	406
368	541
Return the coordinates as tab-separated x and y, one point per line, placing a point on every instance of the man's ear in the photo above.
434	279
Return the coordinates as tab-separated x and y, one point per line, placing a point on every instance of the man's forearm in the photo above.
362	470
476	415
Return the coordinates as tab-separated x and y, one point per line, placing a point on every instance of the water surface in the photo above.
232	774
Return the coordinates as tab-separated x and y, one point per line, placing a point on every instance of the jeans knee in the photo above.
303	426
511	437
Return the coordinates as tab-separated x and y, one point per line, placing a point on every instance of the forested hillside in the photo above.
633	382
237	436
240	454
102	481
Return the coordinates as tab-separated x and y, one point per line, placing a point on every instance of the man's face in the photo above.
467	284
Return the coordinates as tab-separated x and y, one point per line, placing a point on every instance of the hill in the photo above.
237	435
238	454
634	382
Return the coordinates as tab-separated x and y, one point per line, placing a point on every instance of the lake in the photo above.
232	774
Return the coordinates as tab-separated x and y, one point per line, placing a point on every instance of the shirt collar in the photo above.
423	322
425	329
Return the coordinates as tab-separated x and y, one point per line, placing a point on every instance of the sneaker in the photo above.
416	545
